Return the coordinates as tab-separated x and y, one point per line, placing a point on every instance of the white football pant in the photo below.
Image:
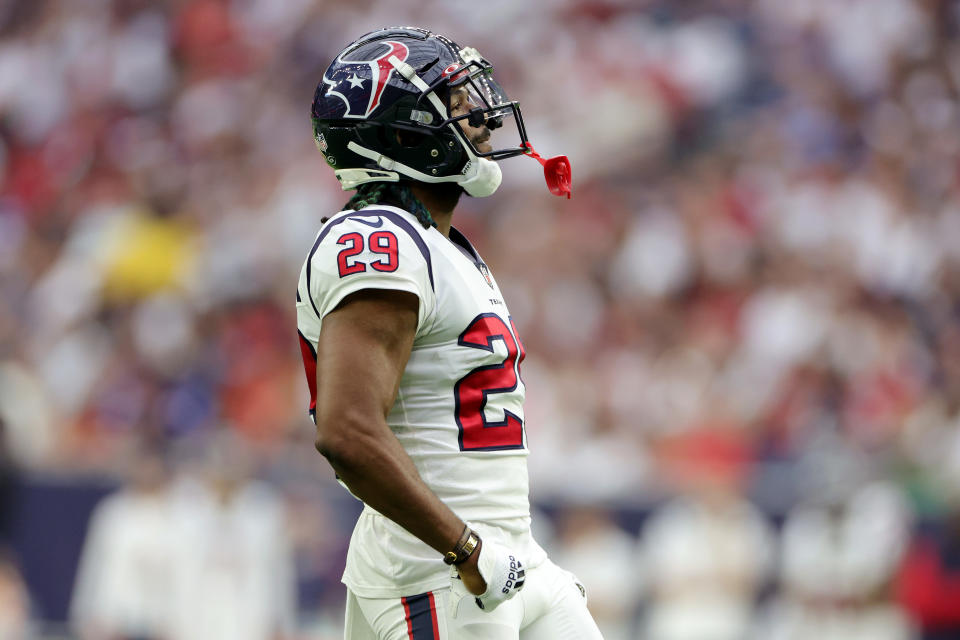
549	607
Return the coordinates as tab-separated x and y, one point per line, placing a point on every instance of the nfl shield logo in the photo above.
486	274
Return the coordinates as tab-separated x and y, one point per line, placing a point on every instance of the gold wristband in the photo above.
464	548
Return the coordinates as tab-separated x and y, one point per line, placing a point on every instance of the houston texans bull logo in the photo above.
360	83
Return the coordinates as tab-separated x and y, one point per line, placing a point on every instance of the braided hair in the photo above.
396	193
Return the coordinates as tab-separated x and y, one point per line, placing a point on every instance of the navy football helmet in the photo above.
381	112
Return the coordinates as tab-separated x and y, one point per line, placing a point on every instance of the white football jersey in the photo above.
459	408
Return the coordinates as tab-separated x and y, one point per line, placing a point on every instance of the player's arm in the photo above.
361	355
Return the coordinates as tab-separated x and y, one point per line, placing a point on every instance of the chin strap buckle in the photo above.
353	178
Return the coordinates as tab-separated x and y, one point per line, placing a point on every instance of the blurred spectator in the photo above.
128	574
595	548
26	420
235	569
196	557
837	562
7	486
705	554
15	614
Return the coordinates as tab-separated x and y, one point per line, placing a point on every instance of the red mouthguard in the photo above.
556	171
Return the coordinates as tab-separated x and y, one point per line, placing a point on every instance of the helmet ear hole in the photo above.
383	137
409	139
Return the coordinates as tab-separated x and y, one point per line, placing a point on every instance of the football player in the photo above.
412	359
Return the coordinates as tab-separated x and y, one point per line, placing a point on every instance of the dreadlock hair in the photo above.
395	193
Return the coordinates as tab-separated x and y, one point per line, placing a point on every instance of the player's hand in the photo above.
470	574
494	574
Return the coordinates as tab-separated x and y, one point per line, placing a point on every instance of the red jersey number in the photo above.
472	391
382	243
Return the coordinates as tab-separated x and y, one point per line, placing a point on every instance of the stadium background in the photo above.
743	338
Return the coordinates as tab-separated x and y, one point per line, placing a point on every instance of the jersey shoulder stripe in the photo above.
393	217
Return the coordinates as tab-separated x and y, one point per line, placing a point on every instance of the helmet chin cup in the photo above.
482	178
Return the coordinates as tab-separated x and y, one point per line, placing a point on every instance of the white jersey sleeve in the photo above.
368	249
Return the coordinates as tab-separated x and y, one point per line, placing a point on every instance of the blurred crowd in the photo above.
743	331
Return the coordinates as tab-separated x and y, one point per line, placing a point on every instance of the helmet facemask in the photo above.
491	107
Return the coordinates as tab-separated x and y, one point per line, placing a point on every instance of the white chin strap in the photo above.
480	177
